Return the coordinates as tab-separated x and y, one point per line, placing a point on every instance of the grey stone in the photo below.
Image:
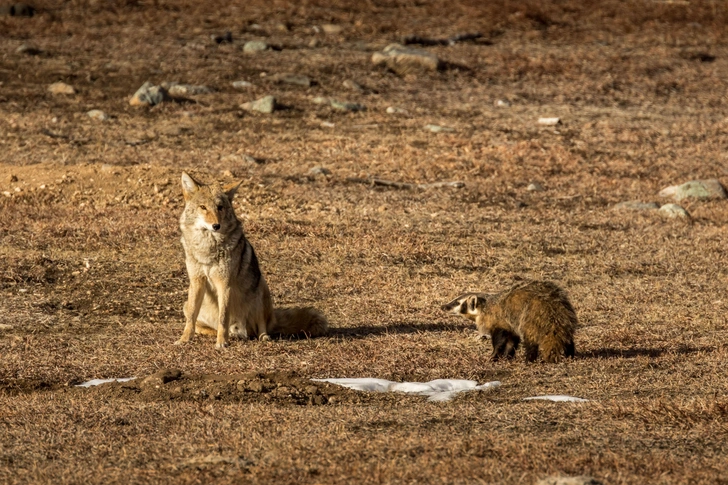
340	105
289	78
502	103
318	170
265	104
393	110
175	89
673	211
535	187
254	46
637	205
61	88
577	480
97	114
28	50
438	128
695	189
149	95
404	60
242	84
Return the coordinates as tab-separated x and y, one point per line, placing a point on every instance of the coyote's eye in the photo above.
219	208
202	207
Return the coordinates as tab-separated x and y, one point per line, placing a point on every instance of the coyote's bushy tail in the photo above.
302	322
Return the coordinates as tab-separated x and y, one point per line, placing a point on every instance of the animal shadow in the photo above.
609	353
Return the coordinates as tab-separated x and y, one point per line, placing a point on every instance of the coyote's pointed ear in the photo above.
231	189
189	186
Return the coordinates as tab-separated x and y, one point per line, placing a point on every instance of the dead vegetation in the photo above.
92	277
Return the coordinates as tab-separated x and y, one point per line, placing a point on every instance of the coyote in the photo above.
228	293
539	312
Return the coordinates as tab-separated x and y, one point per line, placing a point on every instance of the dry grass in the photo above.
93	279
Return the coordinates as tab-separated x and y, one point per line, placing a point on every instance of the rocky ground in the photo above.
392	155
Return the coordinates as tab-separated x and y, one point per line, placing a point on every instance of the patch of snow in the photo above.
96	382
556	398
437	390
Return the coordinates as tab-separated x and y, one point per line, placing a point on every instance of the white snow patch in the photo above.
437	390
96	382
556	398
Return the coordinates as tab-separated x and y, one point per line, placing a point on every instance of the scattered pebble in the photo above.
5	326
242	84
318	170
332	29
61	88
404	60
327	124
637	205
28	50
340	105
549	121
254	46
289	78
149	95
266	104
696	189
502	103
175	89
439	129
7	194
393	110
97	114
535	187
673	211
353	85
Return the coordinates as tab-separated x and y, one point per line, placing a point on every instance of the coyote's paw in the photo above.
264	337
182	341
222	345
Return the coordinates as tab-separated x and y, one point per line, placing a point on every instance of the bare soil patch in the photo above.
92	276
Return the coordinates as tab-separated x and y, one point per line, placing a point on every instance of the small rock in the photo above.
28	50
255	386
502	103
5	326
225	38
346	106
254	46
673	211
61	88
393	110
332	29
97	114
187	89
354	86
162	377
291	79
549	121
7	194
17	10
149	95
242	84
266	104
438	128
696	189
580	480
318	170
637	205
535	187
327	124
403	60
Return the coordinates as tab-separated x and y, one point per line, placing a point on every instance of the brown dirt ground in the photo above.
92	279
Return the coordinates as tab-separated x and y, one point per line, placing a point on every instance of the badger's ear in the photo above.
472	304
189	186
231	189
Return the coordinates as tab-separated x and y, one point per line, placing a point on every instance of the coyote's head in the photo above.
208	207
468	305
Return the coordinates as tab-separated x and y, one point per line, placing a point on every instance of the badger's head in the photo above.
468	305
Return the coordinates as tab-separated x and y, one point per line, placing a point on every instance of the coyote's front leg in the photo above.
192	307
